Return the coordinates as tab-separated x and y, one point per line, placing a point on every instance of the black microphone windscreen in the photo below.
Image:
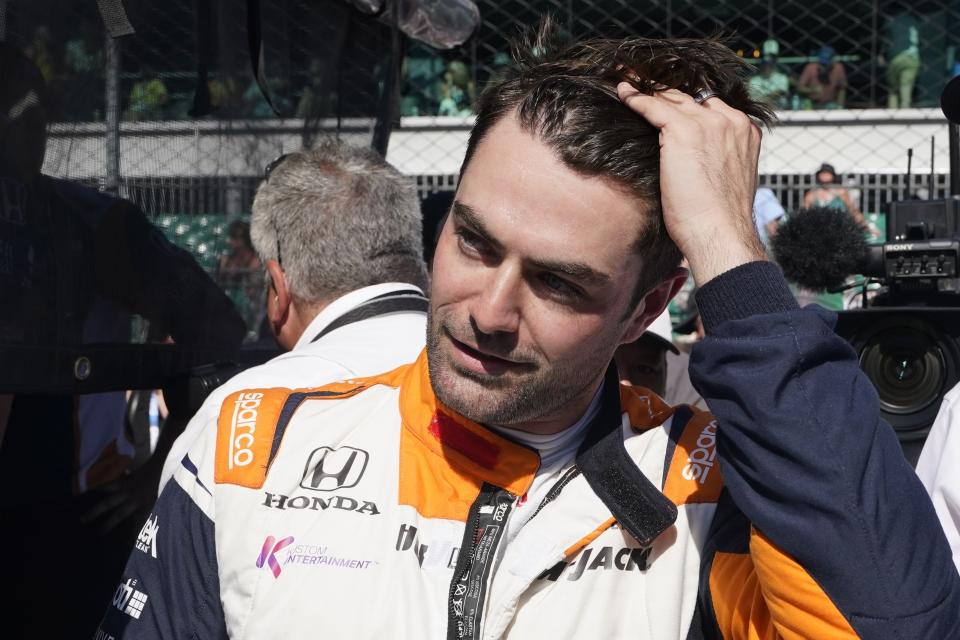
950	100
818	248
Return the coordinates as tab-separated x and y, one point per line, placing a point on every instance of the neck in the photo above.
300	316
565	417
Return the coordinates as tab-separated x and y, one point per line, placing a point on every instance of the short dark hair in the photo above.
566	93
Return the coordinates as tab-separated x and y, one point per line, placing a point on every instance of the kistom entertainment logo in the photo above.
268	553
314	555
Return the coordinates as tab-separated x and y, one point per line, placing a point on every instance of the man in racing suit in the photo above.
505	485
939	468
346	274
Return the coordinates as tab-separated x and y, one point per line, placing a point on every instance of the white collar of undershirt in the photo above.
561	446
345	303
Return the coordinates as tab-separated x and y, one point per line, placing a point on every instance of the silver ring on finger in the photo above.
703	95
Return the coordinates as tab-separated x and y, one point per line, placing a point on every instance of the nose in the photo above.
497	308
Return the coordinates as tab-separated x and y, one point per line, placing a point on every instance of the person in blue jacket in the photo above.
487	489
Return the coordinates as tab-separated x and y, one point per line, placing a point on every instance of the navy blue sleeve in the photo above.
807	458
170	588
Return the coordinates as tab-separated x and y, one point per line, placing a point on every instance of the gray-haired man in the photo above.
339	232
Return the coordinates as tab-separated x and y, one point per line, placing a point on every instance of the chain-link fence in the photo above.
857	84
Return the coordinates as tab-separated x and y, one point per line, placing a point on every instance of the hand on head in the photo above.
708	177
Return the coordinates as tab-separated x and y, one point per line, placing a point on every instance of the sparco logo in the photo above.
701	459
329	469
603	558
242	427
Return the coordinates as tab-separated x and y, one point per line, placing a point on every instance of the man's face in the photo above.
643	363
533	277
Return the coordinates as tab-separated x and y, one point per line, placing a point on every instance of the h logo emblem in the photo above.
329	469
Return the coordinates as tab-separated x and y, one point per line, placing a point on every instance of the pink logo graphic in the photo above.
267	553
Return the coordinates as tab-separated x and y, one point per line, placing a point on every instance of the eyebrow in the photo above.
576	270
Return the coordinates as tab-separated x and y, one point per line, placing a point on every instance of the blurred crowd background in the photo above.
171	115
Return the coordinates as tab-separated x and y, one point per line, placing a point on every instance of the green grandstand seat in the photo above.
202	221
181	228
164	220
207	255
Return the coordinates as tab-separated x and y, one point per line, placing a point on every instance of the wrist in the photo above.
720	251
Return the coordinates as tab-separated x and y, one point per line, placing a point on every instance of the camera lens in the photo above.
907	367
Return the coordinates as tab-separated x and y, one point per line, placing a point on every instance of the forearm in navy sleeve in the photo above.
170	586
806	457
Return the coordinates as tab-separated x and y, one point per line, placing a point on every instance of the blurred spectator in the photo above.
422	74
654	362
239	274
829	193
255	104
82	84
767	212
339	230
904	63
39	53
457	91
79	263
148	97
824	81
311	103
240	257
223	95
770	84
80	56
498	67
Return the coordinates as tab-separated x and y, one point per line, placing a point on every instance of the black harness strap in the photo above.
639	506
393	302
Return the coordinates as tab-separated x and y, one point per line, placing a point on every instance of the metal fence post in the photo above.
112	117
954	132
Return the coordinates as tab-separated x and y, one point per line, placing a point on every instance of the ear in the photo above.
278	300
653	304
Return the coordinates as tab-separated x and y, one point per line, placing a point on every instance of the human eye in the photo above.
559	287
471	243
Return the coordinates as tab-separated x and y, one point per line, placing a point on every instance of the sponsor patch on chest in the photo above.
245	433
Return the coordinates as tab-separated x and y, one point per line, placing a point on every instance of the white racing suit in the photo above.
367	509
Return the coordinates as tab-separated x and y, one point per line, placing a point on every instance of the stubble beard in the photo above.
510	399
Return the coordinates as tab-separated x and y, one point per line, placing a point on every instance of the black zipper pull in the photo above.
485	530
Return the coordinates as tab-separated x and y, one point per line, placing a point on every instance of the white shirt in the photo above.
766	209
359	349
557	452
939	468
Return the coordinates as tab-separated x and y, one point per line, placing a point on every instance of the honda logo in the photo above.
329	469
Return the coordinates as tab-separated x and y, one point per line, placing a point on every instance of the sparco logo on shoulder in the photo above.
329	469
242	427
703	458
